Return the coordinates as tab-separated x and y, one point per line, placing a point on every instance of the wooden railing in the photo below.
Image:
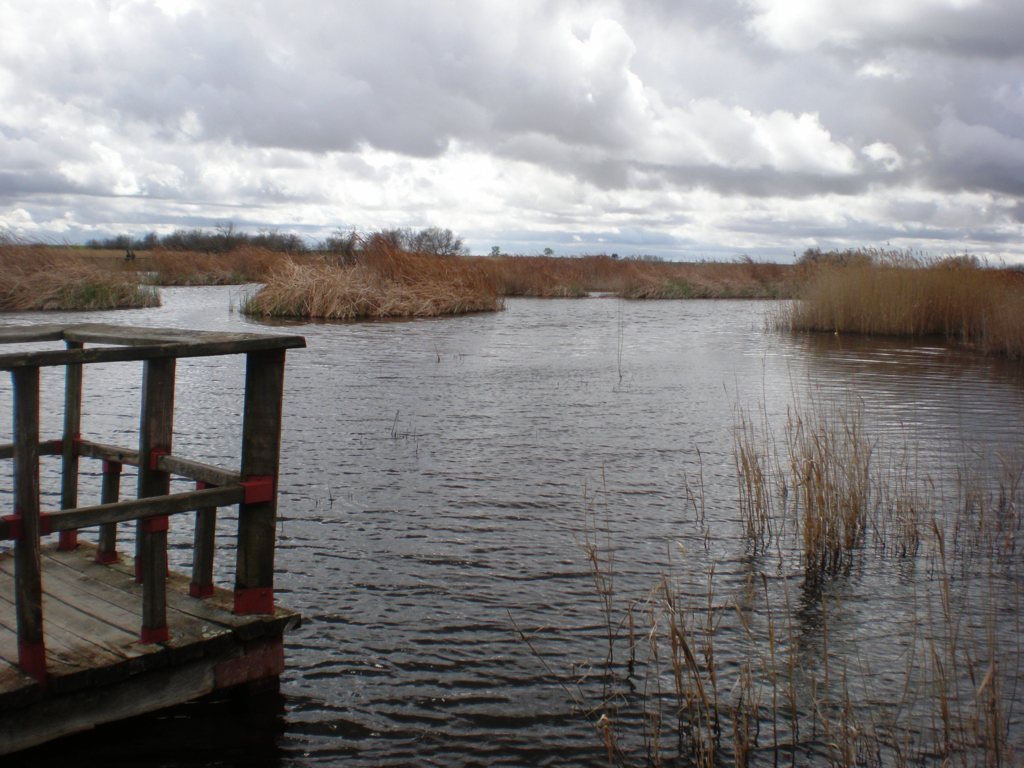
253	487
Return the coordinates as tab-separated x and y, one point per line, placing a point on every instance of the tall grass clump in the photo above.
898	294
384	281
39	278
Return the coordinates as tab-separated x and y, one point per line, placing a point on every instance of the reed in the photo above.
36	277
763	677
881	295
247	264
384	282
554	277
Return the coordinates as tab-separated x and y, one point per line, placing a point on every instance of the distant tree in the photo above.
549	252
495	250
343	245
434	240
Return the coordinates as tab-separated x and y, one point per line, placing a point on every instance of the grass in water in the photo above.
778	669
894	293
384	282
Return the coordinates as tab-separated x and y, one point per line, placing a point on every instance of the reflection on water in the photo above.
437	477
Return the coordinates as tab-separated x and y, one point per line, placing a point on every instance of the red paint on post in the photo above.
155	524
254	600
106	558
151	635
200	590
258	489
68	541
32	660
154	457
15	526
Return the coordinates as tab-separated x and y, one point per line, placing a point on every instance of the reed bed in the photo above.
40	278
247	264
554	277
384	282
977	307
772	672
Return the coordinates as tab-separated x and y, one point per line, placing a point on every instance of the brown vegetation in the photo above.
41	278
897	294
548	276
242	265
383	282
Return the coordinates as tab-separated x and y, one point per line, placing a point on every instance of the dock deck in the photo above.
99	671
89	635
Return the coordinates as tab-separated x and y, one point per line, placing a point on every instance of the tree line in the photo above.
346	243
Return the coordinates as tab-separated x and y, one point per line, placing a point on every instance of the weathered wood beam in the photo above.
261	449
27	565
155	433
72	432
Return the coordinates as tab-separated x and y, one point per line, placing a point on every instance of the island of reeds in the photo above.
898	293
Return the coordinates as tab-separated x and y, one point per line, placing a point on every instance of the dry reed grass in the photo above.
384	282
242	265
978	307
42	278
544	276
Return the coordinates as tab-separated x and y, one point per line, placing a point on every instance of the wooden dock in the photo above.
88	635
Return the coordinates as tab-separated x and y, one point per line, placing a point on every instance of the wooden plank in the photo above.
261	450
158	351
197	470
106	452
213	614
12	334
28	586
106	333
114	595
46	448
133	509
50	719
72	431
217	609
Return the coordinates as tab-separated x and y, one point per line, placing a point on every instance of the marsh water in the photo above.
441	482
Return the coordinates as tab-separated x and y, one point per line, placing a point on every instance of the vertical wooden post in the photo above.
27	562
203	546
72	432
261	450
155	431
106	552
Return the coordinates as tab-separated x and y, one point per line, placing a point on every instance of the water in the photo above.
441	479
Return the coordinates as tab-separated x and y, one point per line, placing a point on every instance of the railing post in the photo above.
203	546
155	431
106	552
261	450
27	561
72	432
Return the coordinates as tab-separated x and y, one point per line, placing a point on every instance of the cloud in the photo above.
555	116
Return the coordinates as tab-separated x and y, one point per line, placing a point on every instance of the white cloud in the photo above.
885	154
678	123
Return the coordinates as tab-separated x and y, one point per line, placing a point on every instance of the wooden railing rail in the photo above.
253	488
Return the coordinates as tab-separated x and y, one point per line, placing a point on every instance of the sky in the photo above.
686	129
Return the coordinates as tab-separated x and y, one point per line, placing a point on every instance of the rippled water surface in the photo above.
440	479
